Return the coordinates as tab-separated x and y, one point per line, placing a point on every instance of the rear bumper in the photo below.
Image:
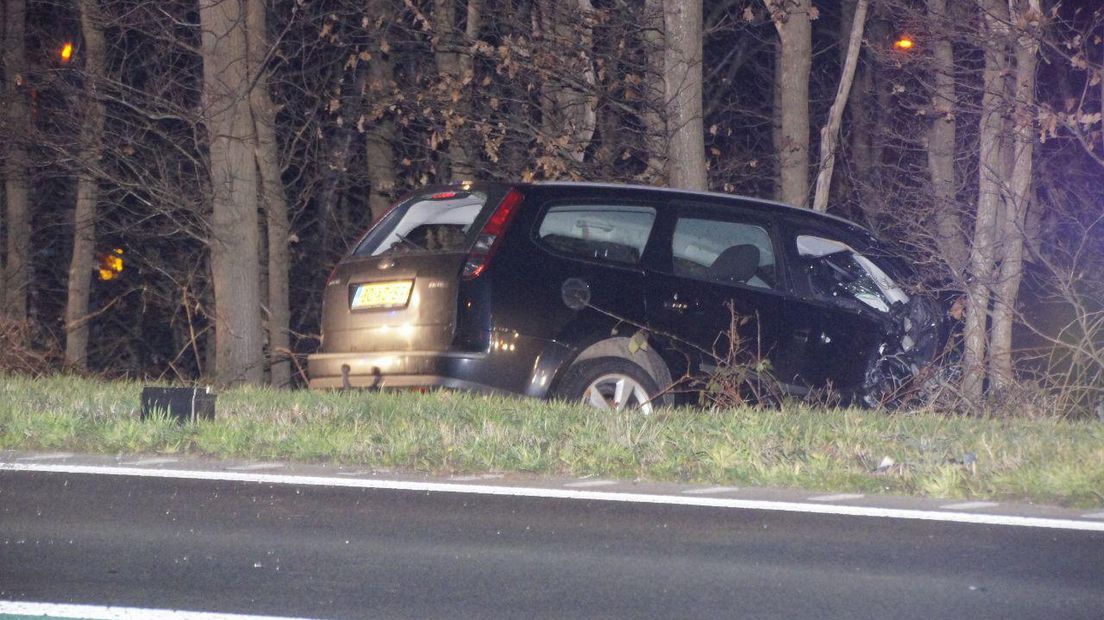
395	370
521	366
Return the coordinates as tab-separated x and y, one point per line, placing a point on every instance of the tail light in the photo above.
491	236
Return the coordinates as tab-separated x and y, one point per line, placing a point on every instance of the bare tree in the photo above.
569	107
454	67
1028	17
829	134
654	115
378	121
234	237
272	196
793	21
88	178
17	269
682	73
941	140
339	143
991	175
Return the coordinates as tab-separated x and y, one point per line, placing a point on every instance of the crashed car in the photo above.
611	294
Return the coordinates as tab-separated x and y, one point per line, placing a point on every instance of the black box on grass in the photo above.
181	404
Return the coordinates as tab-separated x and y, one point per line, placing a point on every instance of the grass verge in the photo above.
1042	460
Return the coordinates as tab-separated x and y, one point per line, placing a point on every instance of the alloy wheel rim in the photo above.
617	392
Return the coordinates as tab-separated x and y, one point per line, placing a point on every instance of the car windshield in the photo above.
835	267
428	223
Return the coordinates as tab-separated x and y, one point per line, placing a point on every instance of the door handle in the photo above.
681	305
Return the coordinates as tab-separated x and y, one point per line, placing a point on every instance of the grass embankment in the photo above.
1044	460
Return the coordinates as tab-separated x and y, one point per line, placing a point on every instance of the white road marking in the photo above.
711	490
567	494
256	467
153	461
842	497
586	484
46	457
98	612
968	505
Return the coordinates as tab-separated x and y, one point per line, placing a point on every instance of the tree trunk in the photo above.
991	175
854	182
568	112
795	32
941	144
862	160
776	118
472	23
84	217
380	156
17	270
235	264
880	120
380	130
272	197
455	70
682	68
339	149
5	88
655	127
1019	195
829	135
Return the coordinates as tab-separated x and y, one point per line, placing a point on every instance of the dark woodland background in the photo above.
177	189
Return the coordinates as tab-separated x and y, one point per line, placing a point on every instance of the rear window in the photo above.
609	233
441	222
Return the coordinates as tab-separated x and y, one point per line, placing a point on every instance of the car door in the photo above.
843	308
717	268
592	243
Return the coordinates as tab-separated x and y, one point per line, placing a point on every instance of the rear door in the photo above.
591	240
398	289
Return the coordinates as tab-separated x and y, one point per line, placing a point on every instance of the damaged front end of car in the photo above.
914	357
917	359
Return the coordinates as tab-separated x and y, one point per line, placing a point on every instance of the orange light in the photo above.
110	264
66	52
904	44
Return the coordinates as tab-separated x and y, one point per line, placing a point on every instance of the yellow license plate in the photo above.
382	295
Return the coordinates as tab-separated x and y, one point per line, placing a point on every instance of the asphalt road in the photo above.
358	553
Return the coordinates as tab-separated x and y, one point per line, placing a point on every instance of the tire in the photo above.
609	383
886	383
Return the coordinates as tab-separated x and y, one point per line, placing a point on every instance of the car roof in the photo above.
774	205
770	204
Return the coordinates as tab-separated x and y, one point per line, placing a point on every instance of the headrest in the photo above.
736	264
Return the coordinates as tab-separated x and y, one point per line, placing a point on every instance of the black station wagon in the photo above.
548	289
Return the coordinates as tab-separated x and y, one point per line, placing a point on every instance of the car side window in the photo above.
835	270
605	233
724	251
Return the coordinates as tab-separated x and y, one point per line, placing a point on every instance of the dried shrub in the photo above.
19	353
741	375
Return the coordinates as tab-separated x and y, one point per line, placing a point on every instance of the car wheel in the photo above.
886	383
609	383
